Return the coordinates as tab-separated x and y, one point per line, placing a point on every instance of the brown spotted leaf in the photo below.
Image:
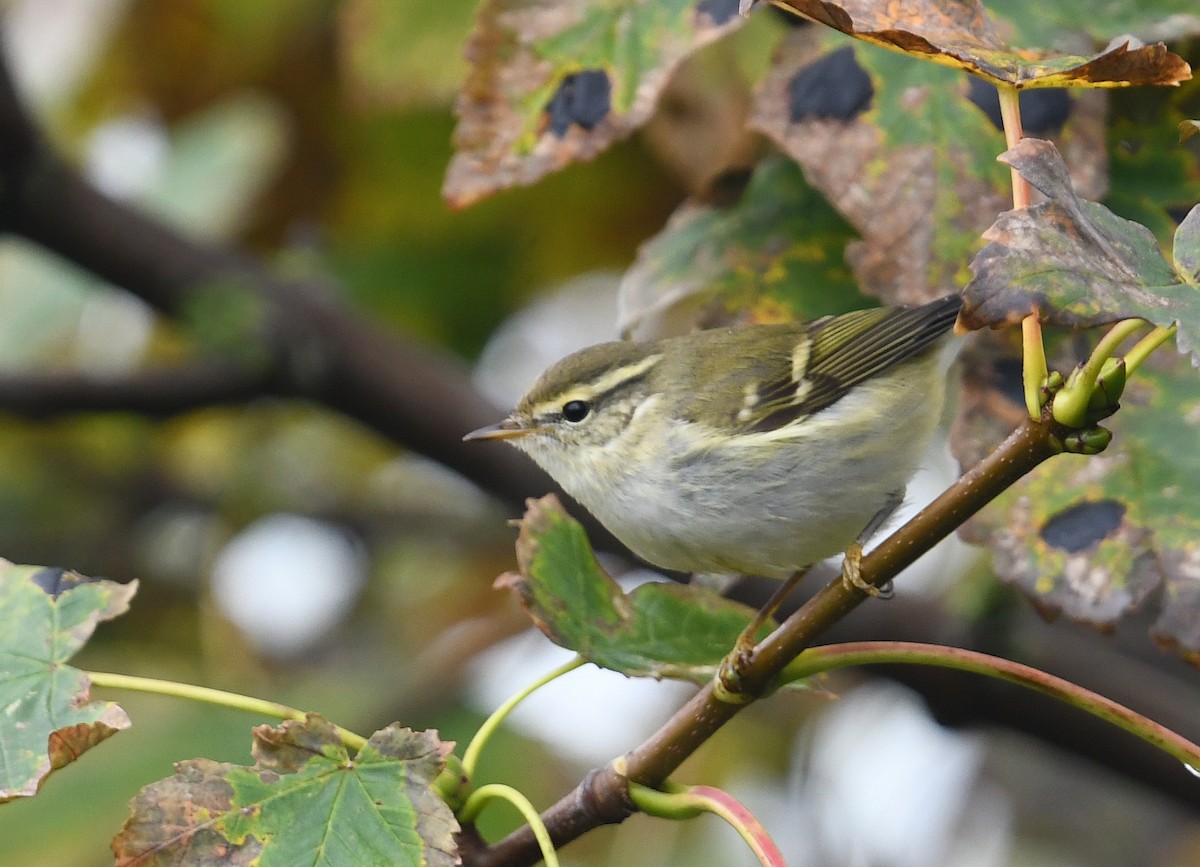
657	630
906	154
304	801
1076	263
47	720
553	83
1094	538
959	33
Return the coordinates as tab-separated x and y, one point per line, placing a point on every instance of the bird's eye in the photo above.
576	410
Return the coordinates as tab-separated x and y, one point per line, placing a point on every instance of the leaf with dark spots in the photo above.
304	801
657	630
1095	538
875	167
834	87
960	33
551	84
584	98
1043	111
56	581
48	719
1083	525
1076	263
1095	583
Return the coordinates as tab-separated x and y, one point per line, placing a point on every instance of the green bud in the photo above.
1071	403
1109	387
1090	441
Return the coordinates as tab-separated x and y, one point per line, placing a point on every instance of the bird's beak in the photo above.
508	429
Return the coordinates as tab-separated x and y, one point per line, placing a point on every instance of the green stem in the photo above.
493	791
1034	368
493	722
685	802
1106	348
820	659
215	696
1034	350
1141	351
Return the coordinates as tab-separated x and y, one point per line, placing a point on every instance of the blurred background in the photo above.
288	552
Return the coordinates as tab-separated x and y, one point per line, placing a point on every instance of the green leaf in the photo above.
1075	262
658	630
46	615
1067	20
959	33
1093	537
914	171
303	802
554	83
777	252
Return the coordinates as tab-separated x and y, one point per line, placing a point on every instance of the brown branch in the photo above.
600	798
412	394
156	393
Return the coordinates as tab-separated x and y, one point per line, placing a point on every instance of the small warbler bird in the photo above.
755	449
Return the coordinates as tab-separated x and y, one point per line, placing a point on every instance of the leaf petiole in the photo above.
1034	367
1141	351
829	657
496	791
215	696
676	802
493	722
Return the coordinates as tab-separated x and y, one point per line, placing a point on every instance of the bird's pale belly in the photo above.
760	524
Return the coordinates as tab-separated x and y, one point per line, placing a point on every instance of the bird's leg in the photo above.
749	636
851	565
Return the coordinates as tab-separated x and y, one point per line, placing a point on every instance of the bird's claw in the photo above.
852	574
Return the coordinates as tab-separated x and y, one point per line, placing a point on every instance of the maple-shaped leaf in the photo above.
959	33
47	720
1076	263
657	630
554	82
304	801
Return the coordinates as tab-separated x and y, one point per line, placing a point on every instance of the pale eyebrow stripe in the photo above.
609	382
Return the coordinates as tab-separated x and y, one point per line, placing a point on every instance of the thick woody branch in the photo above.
414	395
158	393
